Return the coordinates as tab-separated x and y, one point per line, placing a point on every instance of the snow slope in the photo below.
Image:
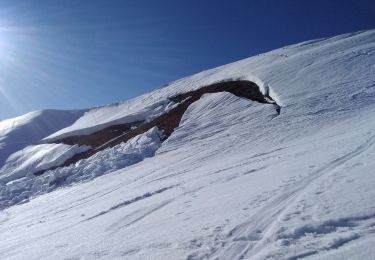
19	184
35	158
235	180
121	113
281	71
19	132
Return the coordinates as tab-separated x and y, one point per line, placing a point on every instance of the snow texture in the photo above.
22	184
19	132
235	180
99	118
35	158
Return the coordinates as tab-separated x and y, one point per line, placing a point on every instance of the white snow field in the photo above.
18	183
35	158
19	132
235	180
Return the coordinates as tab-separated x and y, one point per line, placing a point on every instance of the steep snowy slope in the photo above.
19	132
320	65
235	180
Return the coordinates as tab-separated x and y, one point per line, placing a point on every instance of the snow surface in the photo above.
234	180
120	113
36	158
19	132
20	184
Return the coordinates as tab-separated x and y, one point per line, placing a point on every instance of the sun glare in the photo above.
2	43
7	62
5	44
2	47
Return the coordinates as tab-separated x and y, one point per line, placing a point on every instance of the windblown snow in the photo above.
235	180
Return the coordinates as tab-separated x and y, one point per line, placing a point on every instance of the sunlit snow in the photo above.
235	180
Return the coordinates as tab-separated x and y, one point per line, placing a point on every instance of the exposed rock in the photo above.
167	122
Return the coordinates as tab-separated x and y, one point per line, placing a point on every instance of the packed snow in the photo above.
235	180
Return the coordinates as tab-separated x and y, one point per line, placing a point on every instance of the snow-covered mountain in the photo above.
270	157
19	132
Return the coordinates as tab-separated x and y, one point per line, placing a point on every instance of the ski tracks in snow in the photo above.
248	239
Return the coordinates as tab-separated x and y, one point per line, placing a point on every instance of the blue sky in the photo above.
76	54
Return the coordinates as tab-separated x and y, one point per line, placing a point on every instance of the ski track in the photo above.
250	237
135	217
130	201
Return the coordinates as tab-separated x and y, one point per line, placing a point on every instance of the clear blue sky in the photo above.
75	54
